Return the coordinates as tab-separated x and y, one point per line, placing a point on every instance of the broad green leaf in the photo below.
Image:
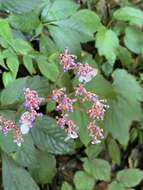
107	43
134	39
70	32
125	56
59	9
83	181
66	186
28	63
16	177
130	14
98	168
47	45
25	22
93	151
130	177
13	64
26	155
45	169
116	186
7	78
114	152
13	93
19	6
49	138
22	46
48	69
125	107
5	31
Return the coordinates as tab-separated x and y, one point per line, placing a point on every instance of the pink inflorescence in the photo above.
64	105
32	100
85	73
7	126
68	61
32	103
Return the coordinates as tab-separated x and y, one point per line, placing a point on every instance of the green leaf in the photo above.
93	151
5	31
125	107
7	78
13	64
45	169
19	6
130	177
13	93
70	32
114	152
134	39
28	63
49	138
59	9
125	56
98	168
66	186
107	43
83	181
48	69
22	46
130	14
25	22
116	186
16	177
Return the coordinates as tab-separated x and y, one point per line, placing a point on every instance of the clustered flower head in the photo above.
31	104
7	126
85	73
64	105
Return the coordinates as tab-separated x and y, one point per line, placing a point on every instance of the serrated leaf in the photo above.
125	107
13	93
130	177
83	181
16	177
19	6
130	14
25	22
58	9
49	138
70	32
107	43
48	69
134	39
98	168
45	169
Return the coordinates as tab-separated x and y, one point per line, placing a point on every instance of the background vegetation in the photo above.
108	34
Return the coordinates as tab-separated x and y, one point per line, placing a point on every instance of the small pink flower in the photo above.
8	125
85	72
97	111
18	139
67	60
32	100
66	104
95	132
57	94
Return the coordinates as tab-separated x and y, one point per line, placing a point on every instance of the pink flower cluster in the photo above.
83	71
7	126
31	104
64	105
